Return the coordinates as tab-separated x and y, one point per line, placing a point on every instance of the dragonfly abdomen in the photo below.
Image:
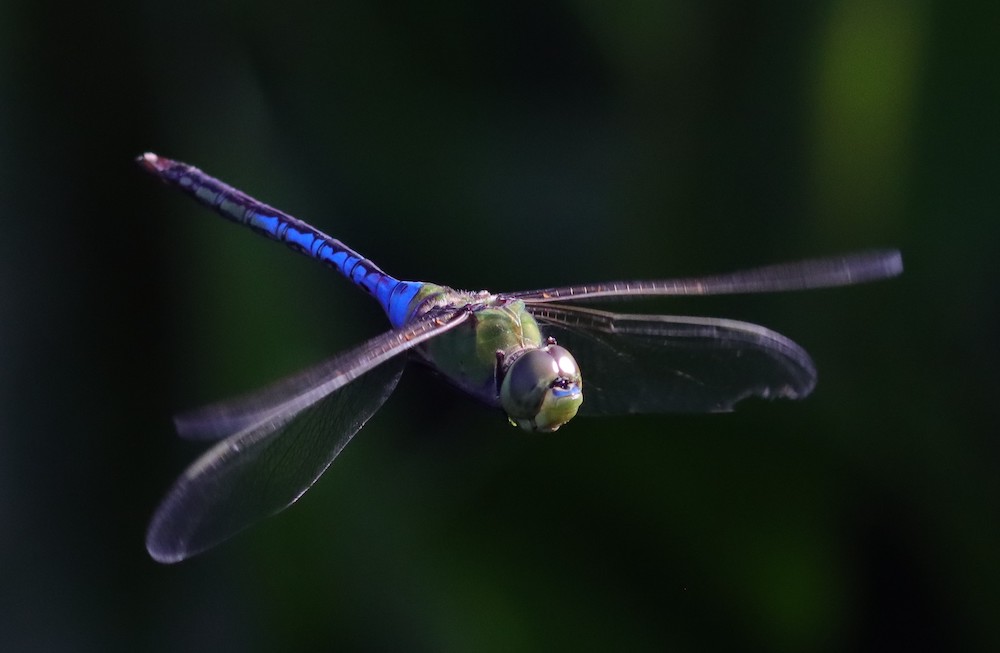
392	294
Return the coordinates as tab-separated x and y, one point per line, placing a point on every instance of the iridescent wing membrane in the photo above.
276	442
638	363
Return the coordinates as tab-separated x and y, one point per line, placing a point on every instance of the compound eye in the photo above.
528	379
542	389
566	367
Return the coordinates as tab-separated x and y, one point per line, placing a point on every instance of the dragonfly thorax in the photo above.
542	389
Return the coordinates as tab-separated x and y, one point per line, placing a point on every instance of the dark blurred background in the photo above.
503	146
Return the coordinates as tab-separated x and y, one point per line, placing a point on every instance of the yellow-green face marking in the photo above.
543	389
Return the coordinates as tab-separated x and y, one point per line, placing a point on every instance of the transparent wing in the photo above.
263	469
661	363
815	273
283	445
290	395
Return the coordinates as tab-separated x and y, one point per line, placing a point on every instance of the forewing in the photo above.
844	270
271	462
661	363
292	394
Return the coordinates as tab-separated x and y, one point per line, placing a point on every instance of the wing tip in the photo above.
162	549
784	392
164	556
894	262
873	265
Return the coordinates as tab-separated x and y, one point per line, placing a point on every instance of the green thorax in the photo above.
467	355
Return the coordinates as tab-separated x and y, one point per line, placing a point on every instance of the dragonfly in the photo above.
509	350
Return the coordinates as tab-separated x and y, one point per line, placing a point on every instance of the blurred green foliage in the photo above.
504	146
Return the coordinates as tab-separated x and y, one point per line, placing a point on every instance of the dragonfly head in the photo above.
542	389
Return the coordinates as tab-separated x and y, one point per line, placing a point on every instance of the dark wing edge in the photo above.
659	363
844	270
